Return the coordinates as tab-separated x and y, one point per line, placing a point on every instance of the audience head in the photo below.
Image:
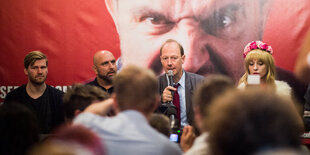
284	151
136	88
258	60
19	129
213	86
161	123
246	122
73	140
104	65
79	96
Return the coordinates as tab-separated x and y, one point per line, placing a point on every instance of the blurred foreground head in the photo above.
79	96
211	88
19	129
161	123
245	122
136	88
71	140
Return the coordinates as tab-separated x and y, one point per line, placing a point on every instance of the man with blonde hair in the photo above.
43	100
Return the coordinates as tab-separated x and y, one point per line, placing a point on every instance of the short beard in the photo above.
107	79
37	83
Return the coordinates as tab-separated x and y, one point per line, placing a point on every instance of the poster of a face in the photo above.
213	34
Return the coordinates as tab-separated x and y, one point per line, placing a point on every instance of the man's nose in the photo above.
190	35
111	65
169	61
39	70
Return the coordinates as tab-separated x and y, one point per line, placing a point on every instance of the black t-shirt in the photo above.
95	83
48	108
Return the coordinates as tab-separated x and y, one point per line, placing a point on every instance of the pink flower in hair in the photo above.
256	45
244	54
253	45
264	46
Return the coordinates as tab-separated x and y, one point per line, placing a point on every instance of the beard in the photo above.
107	79
36	81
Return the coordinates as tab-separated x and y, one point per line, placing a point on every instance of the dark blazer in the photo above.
191	82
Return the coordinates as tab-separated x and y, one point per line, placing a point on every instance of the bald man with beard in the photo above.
105	69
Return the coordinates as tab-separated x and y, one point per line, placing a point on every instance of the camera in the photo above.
175	135
169	110
175	132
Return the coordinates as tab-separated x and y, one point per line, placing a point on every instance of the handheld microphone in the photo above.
163	108
170	82
170	77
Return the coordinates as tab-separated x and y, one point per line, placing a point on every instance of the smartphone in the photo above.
174	137
253	79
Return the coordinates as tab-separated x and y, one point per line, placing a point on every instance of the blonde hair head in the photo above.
267	59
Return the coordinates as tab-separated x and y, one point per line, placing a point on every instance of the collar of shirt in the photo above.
90	118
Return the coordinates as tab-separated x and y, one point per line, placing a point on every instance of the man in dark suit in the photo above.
172	58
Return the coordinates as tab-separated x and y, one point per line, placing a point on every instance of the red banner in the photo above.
213	34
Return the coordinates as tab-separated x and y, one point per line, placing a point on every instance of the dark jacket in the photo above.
191	82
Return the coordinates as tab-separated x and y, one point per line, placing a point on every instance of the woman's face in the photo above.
257	67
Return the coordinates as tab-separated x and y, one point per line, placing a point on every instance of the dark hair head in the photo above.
244	122
213	86
161	123
19	129
80	96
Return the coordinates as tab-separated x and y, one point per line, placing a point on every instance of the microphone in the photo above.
170	77
170	83
164	108
171	110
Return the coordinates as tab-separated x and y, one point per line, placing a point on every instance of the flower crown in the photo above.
256	45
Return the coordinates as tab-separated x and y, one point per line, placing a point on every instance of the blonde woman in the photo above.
258	60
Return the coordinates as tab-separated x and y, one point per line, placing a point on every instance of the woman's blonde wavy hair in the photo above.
267	59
